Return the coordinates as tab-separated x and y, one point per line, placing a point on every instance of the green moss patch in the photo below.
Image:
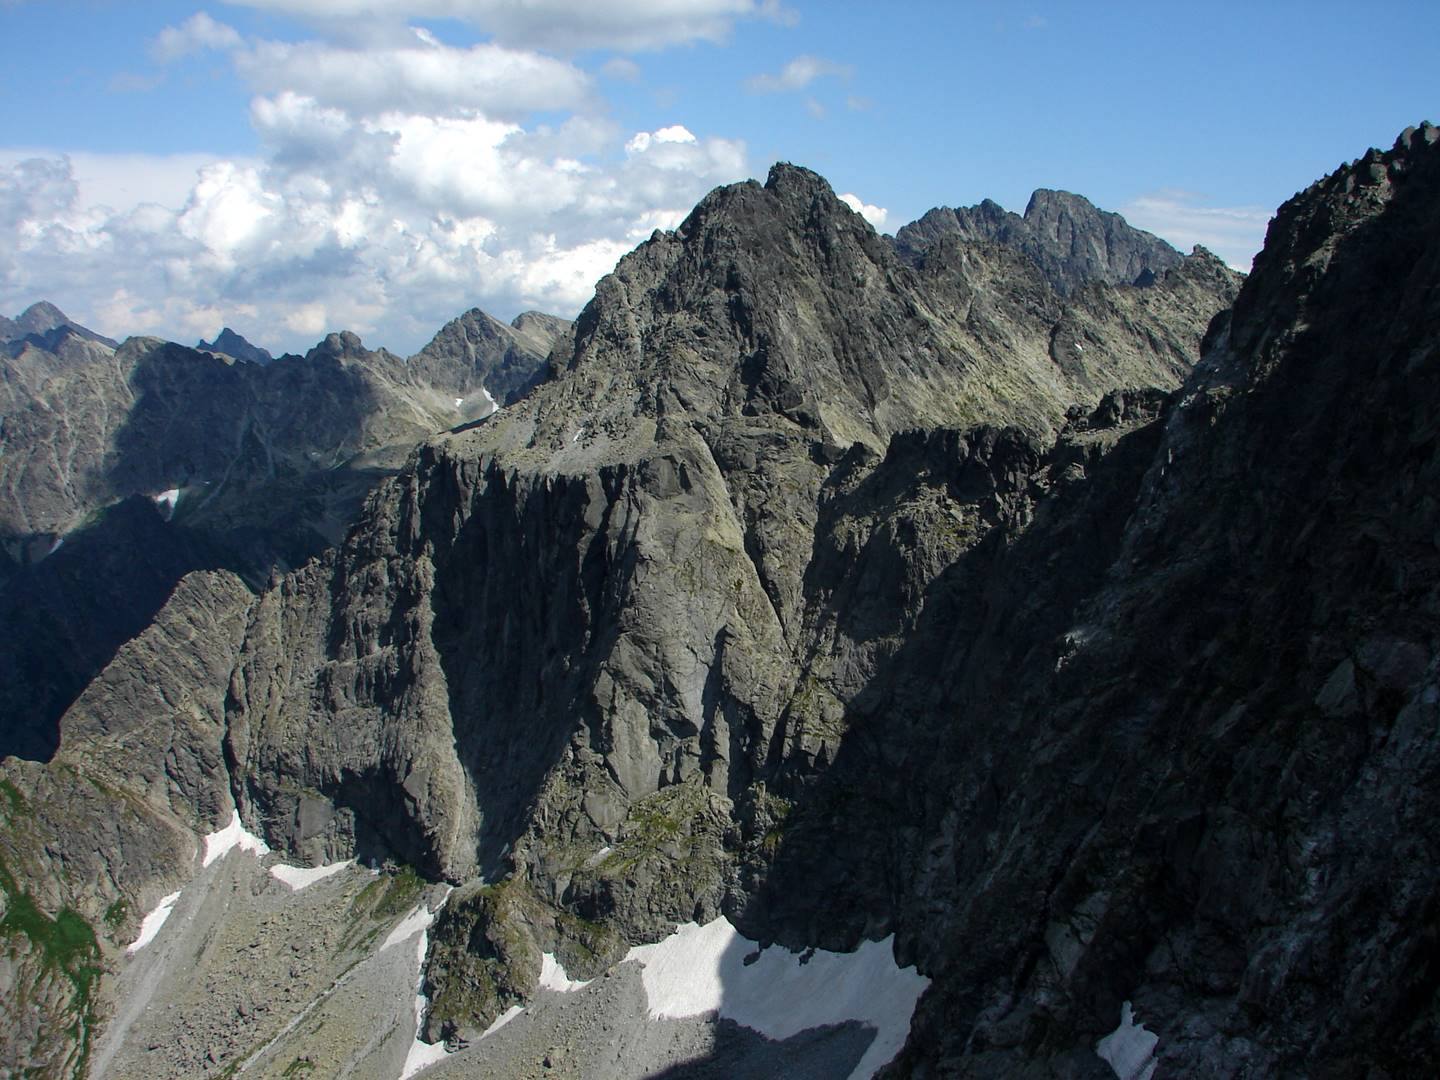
65	944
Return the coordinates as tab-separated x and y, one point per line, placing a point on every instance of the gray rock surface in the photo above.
597	620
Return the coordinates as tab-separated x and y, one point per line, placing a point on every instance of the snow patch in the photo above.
168	499
494	405
55	546
234	835
596	859
418	920
702	969
503	1019
421	1054
298	877
151	924
553	977
459	401
1129	1050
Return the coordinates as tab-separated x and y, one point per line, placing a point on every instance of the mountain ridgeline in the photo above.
1060	604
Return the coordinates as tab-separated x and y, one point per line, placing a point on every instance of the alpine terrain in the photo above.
1007	649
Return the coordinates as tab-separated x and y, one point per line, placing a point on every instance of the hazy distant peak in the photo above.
229	343
40	321
1071	239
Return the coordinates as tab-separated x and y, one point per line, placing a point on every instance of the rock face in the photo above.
845	594
643	525
1179	772
597	620
1065	235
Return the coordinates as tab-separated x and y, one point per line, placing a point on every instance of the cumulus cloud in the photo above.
418	219
399	181
422	77
559	25
1235	233
798	74
875	215
196	34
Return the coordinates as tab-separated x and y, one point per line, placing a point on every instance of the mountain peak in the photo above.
1066	235
230	343
43	322
785	178
40	317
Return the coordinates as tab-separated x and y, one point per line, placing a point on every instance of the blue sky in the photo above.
294	166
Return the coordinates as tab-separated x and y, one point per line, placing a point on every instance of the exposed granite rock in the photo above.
846	595
269	465
1065	235
97	836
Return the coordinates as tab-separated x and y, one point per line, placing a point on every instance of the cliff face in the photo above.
847	594
1192	770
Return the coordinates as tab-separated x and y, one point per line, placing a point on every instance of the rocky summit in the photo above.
1007	650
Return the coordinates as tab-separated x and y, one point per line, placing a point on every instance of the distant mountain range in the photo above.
126	466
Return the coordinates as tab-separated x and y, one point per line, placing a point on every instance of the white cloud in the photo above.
123	182
416	219
196	34
398	181
1235	233
559	25
420	77
875	215
643	140
798	74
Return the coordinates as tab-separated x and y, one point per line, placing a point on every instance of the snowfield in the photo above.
702	969
220	843
553	977
151	924
1129	1050
298	877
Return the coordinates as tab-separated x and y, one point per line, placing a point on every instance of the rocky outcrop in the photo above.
44	323
91	841
1177	771
1065	235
